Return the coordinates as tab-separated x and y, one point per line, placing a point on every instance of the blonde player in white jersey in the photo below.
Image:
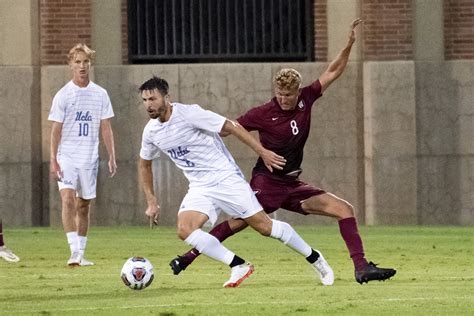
189	135
80	111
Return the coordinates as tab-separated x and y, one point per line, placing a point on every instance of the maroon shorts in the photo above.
286	192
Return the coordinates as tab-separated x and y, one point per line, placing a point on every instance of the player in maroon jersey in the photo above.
283	124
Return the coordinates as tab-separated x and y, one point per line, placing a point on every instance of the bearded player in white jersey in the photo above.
189	135
81	110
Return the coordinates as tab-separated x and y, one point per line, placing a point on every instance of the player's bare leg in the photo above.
189	230
83	221
222	231
68	212
68	215
330	205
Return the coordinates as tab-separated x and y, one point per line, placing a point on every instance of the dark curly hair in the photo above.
157	83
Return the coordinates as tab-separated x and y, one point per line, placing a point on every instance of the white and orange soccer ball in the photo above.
137	273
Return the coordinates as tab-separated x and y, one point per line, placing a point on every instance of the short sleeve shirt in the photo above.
284	132
81	111
190	139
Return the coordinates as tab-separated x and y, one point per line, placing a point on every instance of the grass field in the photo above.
435	275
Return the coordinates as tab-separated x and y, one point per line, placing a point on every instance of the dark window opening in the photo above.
170	31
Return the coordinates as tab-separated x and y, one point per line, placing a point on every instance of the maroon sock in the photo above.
1	235
221	232
350	234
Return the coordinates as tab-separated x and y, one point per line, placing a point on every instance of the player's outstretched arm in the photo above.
146	182
108	137
337	66
54	168
270	159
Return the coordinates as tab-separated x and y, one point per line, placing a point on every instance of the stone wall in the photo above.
393	138
445	138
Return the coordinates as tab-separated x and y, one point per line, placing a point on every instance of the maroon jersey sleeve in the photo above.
311	93
251	120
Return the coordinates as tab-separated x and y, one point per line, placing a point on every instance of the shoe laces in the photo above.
321	267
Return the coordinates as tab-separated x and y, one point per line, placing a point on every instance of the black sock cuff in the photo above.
236	261
313	256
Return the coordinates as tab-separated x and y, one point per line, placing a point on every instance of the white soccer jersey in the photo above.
190	138
80	110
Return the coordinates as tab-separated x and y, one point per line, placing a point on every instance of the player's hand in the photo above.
153	211
352	31
272	160
112	167
55	171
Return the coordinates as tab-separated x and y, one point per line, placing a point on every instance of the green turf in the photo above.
435	275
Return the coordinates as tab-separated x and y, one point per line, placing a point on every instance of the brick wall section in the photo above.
63	23
320	31
459	29
124	33
387	29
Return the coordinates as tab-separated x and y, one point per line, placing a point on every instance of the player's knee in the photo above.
264	229
184	231
68	204
82	208
345	209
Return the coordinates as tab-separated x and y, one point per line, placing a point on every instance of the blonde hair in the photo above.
80	48
287	78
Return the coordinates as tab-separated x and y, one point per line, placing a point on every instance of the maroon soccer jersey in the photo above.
283	132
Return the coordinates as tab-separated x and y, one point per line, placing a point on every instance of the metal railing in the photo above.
164	31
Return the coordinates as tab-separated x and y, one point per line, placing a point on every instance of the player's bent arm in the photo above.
108	137
270	159
337	66
146	182
54	169
224	134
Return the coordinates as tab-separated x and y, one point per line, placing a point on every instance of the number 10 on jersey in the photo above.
83	129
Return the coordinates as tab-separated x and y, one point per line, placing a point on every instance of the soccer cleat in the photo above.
74	260
178	264
324	270
8	255
85	263
372	272
239	274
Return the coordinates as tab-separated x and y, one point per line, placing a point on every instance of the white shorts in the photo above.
233	196
83	181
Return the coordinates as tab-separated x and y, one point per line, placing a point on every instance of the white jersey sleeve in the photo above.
149	150
58	109
107	110
203	119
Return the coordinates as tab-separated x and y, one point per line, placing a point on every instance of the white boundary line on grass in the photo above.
220	303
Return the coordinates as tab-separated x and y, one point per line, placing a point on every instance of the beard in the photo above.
158	113
153	115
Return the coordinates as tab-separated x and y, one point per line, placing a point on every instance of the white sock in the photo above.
210	246
82	242
285	233
72	241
